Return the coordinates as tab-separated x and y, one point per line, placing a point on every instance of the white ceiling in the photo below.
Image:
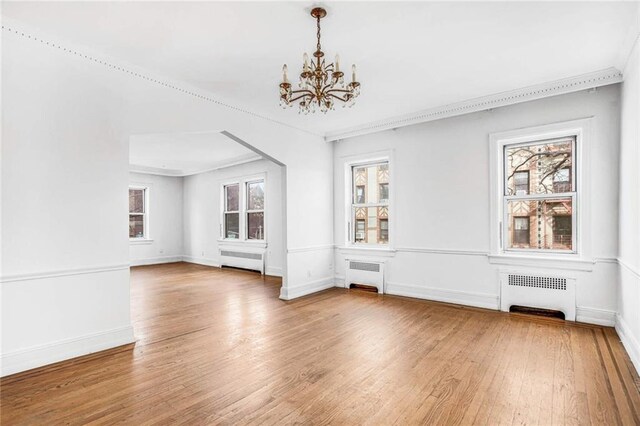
411	56
185	153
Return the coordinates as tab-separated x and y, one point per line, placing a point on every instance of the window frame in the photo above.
243	212
145	213
579	129
349	187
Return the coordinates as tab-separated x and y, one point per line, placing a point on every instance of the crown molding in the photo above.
530	93
553	88
81	52
158	171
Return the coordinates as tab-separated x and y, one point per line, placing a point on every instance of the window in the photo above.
232	211
137	212
521	181
244	207
521	231
562	180
540	195
384	191
360	229
562	231
384	230
360	194
255	210
370	203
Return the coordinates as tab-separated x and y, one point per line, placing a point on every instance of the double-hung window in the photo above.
540	195
244	210
370	203
138	212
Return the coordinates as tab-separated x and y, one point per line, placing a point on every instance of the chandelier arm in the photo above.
301	96
324	89
295	92
337	97
339	91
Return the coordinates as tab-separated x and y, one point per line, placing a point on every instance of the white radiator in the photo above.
538	291
243	259
365	273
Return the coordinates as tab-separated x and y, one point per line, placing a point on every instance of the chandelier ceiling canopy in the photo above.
320	84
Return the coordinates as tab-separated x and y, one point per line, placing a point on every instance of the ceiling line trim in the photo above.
150	170
530	93
141	73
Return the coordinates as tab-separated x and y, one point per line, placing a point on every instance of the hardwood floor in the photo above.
219	347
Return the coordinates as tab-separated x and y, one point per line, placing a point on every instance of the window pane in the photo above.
540	224
232	225
255	195
540	168
136	226
136	200
368	182
232	195
371	225
255	226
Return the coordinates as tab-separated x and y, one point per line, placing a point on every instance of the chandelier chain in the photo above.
318	34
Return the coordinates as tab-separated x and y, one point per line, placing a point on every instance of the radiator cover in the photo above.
365	272
242	259
554	292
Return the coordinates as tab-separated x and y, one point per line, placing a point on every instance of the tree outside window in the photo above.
540	195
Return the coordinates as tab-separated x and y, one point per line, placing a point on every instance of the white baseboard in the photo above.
480	300
293	292
596	316
156	260
201	261
339	281
38	356
629	341
274	271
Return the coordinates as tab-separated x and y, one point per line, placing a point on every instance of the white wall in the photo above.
628	325
202	218
442	195
65	282
164	221
67	115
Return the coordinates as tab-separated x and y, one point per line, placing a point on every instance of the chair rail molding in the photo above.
63	272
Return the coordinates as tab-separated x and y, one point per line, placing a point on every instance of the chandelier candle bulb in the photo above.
353	72
320	83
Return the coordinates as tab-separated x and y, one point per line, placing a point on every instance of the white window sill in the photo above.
560	262
376	251
139	241
243	243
